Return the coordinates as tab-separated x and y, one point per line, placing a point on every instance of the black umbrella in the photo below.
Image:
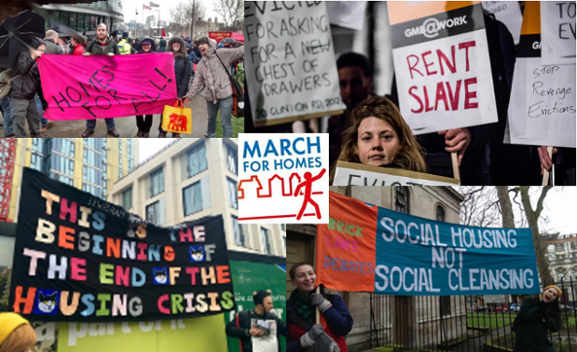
17	34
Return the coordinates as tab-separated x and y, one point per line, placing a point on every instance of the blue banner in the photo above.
417	256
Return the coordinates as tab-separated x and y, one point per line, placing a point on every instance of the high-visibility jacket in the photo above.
124	47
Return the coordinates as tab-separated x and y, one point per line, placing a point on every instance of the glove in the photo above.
310	337
320	301
326	344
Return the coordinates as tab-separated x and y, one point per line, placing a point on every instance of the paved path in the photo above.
126	126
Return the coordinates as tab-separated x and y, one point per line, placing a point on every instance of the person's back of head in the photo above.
51	35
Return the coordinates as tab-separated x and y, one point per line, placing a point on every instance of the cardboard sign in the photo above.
90	87
557	31
208	334
78	257
442	65
283	178
347	14
290	62
355	174
542	106
509	13
367	248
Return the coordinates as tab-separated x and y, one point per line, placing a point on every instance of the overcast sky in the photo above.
129	7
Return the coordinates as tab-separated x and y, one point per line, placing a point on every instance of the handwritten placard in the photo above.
557	30
290	62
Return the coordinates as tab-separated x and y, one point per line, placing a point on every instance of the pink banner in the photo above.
88	87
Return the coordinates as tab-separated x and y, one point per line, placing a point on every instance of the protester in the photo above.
538	316
101	46
253	327
144	123
16	334
379	136
162	44
301	307
52	44
212	81
182	72
78	44
124	47
24	88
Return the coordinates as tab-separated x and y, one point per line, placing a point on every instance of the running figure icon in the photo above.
307	183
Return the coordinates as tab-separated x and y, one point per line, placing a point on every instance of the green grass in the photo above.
489	320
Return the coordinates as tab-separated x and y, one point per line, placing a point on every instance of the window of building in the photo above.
127	198
231	158
239	238
440	213
196	160
232	194
192	198
402	199
157	182
265	240
155	213
445	305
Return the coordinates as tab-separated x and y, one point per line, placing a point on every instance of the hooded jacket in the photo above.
152	45
25	85
211	79
182	67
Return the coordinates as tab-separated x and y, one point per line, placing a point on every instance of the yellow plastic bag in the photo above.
177	118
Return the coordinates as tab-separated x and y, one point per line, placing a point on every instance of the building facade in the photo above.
91	164
83	17
561	254
400	320
190	179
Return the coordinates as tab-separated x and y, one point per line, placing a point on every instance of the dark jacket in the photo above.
148	40
243	321
182	67
96	48
25	85
532	324
339	323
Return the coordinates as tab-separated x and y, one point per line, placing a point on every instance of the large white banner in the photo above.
290	61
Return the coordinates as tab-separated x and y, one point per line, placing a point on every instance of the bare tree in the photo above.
509	207
232	11
532	215
185	15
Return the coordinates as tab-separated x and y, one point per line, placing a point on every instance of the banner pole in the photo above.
317	311
546	172
455	162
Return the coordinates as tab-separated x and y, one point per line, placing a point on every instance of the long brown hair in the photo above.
409	157
20	340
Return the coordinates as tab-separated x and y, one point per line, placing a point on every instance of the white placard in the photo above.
355	174
283	178
508	12
436	94
290	61
542	106
348	14
557	30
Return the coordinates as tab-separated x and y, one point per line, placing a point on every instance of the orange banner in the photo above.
345	247
403	11
531	18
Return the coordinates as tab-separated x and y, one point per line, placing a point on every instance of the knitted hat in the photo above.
556	288
8	323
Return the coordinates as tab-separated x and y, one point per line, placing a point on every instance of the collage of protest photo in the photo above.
287	176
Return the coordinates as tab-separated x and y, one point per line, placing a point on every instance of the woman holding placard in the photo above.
379	136
537	317
304	329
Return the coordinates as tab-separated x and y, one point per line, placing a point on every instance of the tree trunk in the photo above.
533	220
507	215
